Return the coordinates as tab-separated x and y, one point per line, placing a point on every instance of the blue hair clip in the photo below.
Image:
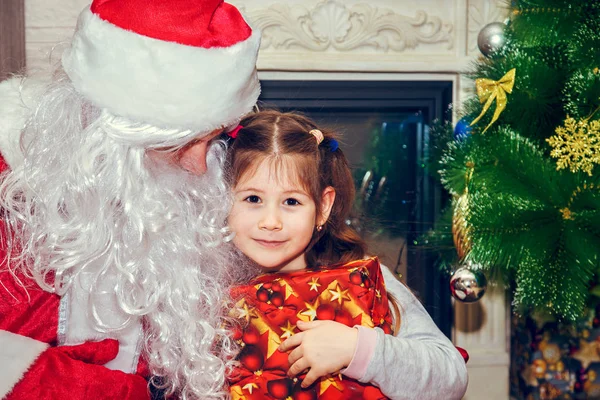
333	145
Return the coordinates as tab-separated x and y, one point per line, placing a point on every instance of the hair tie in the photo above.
318	135
333	145
233	133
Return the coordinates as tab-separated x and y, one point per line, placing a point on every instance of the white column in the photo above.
483	329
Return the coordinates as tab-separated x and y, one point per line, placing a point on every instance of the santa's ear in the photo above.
327	200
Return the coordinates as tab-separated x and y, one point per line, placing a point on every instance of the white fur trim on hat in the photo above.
162	83
17	354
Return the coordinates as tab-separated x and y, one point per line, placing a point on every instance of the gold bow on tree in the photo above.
489	90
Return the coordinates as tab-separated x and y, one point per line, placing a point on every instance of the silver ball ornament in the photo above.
491	38
468	285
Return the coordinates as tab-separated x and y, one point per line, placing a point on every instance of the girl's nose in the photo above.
270	220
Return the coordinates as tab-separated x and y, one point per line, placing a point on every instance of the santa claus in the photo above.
114	205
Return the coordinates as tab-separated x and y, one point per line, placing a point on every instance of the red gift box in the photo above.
268	309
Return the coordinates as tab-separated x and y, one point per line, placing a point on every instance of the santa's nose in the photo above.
193	158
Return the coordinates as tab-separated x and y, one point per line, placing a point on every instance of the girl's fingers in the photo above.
295	355
304	326
290	343
311	377
297	367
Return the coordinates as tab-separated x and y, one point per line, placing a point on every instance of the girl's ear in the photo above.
327	200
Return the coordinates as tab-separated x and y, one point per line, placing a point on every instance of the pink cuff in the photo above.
365	347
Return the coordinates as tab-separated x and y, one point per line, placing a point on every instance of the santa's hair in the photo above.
88	197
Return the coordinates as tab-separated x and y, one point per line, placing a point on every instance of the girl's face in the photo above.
274	217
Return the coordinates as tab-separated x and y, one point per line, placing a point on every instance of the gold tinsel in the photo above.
460	226
461	232
576	145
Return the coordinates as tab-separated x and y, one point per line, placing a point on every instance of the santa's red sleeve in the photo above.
37	371
28	315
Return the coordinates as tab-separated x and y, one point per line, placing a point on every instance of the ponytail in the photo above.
338	241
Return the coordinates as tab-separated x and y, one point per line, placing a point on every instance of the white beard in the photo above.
92	212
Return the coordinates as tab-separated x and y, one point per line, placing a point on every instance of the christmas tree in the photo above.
523	163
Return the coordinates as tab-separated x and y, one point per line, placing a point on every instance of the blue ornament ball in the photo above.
462	130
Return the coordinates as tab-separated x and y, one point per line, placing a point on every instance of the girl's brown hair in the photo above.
283	137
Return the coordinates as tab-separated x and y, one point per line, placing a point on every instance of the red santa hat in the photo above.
172	63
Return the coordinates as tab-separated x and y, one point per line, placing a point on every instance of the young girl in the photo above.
293	192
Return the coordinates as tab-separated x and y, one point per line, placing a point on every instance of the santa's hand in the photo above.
323	347
98	353
77	373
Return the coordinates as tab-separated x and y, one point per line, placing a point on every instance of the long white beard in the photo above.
87	200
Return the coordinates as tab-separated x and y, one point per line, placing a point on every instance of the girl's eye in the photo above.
291	202
252	199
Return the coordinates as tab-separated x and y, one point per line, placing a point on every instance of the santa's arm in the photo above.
31	367
33	370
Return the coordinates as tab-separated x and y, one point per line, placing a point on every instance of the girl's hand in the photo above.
323	347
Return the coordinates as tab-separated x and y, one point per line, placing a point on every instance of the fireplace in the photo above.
385	126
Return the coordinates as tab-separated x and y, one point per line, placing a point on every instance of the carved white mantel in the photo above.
357	39
349	37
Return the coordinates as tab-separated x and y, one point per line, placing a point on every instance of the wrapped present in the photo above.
269	307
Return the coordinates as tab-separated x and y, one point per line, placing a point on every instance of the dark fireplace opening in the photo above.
385	135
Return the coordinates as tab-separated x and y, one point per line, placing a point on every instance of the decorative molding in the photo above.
332	24
481	13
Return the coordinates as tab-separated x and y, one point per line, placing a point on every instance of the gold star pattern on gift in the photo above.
273	343
338	294
334	293
587	353
288	330
289	290
236	393
262	326
243	311
576	145
328	382
314	284
250	387
310	311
